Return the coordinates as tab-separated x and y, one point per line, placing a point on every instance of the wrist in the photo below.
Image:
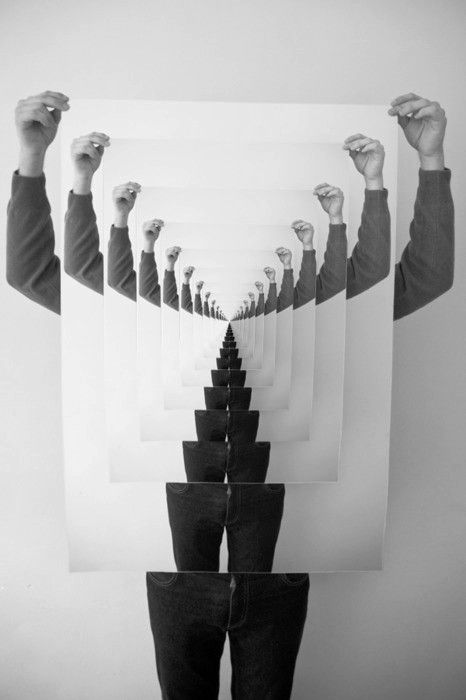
82	184
31	162
374	183
287	266
432	162
336	219
148	247
308	246
120	220
170	266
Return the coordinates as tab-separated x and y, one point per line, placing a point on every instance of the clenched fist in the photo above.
284	255
124	197
188	273
270	273
86	155
151	232
37	119
368	156
172	255
331	200
424	123
259	287
305	232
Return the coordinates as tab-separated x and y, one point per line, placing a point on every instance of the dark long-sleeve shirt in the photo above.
170	290
271	301
149	287
425	270
31	264
205	308
198	303
370	260
121	275
260	304
186	299
83	259
426	267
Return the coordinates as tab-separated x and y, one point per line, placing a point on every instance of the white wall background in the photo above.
399	633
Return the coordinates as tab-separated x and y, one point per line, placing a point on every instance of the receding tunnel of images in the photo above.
239	366
164	355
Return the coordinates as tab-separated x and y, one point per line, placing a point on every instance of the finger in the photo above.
373	146
56	115
334	193
409	107
39	114
53	93
404	98
357	144
89	150
135	186
51	100
431	110
403	121
324	191
322	184
99	139
354	137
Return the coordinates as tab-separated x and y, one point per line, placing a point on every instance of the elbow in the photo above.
15	281
440	285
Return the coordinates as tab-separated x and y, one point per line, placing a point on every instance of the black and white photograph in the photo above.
233	388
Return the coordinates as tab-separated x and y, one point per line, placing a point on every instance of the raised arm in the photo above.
252	305
197	298
149	287
206	310
121	275
83	260
305	289
186	298
260	306
370	260
170	291
32	267
285	297
426	268
331	278
271	302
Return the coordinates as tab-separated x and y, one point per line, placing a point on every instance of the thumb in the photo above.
403	121
56	115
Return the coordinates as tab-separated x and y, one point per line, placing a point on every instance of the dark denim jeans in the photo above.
227	363
250	513
228	377
232	353
236	426
235	398
191	614
240	462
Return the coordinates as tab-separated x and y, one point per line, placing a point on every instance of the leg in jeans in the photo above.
242	426
205	461
253	522
239	398
197	514
216	397
211	424
265	641
248	463
188	616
